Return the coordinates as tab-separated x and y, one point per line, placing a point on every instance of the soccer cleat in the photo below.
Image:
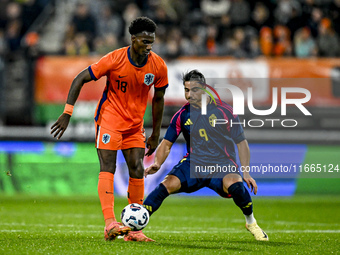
115	229
137	236
257	232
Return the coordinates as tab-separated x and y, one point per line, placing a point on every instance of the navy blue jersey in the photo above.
215	144
180	123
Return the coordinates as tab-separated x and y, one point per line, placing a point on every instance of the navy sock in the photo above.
241	197
155	198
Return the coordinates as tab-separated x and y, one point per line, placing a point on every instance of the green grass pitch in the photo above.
304	224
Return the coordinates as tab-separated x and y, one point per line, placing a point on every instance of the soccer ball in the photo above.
135	216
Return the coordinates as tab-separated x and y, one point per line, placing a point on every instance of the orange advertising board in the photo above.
54	75
312	74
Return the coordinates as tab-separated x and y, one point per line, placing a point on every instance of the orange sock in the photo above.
136	191
106	197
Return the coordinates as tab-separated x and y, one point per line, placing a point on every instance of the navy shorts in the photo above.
189	185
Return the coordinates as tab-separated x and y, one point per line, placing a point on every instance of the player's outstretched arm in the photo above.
162	153
59	127
157	115
244	154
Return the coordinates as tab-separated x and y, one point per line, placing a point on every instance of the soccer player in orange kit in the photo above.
131	72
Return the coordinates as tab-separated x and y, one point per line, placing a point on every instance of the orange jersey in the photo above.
125	96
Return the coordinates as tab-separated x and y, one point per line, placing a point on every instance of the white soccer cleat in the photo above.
257	232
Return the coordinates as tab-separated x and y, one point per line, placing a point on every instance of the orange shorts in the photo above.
111	140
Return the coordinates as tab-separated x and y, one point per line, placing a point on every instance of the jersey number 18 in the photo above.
121	85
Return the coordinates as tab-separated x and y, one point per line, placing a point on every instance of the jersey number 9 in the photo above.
203	133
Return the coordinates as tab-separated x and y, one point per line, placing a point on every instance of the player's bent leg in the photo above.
232	183
171	184
154	200
229	180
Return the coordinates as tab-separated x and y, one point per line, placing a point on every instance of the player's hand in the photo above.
251	183
59	127
152	169
151	144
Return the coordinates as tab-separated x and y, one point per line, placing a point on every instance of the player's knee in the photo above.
108	168
136	171
172	184
229	180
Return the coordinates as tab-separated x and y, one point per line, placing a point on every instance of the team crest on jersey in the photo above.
211	119
149	78
106	138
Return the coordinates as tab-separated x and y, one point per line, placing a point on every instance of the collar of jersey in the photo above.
133	63
211	103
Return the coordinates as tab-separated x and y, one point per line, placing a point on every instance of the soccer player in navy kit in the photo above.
209	144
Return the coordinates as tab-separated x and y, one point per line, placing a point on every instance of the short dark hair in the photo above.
194	75
142	24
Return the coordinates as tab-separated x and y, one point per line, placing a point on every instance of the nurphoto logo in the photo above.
238	105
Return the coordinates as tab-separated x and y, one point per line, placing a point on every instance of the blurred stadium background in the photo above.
45	43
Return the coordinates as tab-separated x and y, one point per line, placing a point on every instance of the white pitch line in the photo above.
52	225
304	223
336	231
230	231
59	216
198	219
156	227
54	231
280	222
